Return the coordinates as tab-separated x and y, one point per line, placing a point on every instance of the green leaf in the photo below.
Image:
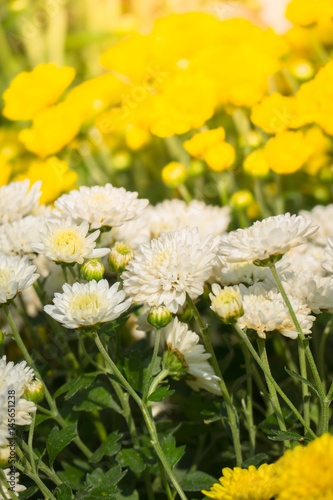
28	492
63	492
40	419
99	485
161	393
257	460
132	459
109	447
131	495
301	379
285	436
72	386
95	397
72	475
59	439
172	453
197	481
134	368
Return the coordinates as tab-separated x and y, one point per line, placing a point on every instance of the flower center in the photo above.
86	304
67	241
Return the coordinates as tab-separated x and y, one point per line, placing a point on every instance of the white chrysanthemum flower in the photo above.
134	232
16	274
16	237
265	311
14	378
16	200
173	265
307	257
328	262
226	303
87	304
322	217
315	291
101	205
240	272
273	236
199	374
13	480
66	242
173	215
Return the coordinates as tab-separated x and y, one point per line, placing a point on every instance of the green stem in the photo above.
257	186
225	393
150	369
9	492
145	412
322	397
157	380
275	400
36	479
249	400
305	390
30	443
43	467
267	373
165	483
321	354
48	397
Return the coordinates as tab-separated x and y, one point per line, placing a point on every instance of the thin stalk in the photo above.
278	389
305	389
146	415
272	391
165	483
41	465
37	480
249	400
257	186
157	380
30	443
225	393
9	492
48	397
150	368
322	397
321	354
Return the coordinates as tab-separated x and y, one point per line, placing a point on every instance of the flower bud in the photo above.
5	456
92	270
34	391
159	316
226	303
120	255
175	363
174	174
242	199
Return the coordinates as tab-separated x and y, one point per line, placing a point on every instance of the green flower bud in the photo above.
175	363
159	316
226	303
5	455
34	391
92	270
120	255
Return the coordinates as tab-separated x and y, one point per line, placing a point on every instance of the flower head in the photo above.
16	274
173	265
17	237
306	471
66	242
190	357
101	205
273	236
16	200
226	303
245	484
88	304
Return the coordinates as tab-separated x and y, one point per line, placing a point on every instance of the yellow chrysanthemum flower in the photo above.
220	157
275	113
287	152
201	142
52	129
55	175
307	12
306	472
244	484
256	164
31	92
137	137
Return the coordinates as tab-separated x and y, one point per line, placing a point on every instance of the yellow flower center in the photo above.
67	241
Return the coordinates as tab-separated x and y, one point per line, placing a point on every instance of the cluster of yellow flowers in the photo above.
191	74
304	473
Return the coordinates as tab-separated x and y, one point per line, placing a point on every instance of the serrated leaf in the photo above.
161	393
132	459
285	436
109	447
72	475
95	397
59	439
301	379
257	460
197	481
100	485
72	386
172	453
134	368
63	492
